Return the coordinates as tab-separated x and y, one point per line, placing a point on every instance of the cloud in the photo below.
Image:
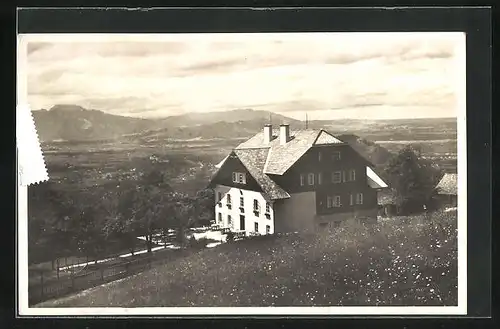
287	74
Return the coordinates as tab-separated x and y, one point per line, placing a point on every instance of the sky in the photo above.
327	75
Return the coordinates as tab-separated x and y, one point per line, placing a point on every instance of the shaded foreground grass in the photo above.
395	263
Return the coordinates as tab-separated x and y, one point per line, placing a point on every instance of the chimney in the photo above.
268	133
284	134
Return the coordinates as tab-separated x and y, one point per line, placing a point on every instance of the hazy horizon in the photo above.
299	119
369	76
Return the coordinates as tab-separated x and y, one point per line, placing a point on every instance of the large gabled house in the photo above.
282	180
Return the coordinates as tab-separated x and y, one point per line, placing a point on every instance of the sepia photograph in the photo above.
218	172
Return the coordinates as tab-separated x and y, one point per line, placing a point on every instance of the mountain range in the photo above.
75	123
71	122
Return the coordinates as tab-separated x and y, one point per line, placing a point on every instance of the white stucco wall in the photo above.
235	212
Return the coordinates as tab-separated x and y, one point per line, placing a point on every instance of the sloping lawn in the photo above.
395	262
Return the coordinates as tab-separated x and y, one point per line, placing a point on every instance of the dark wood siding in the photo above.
314	163
310	162
369	199
225	175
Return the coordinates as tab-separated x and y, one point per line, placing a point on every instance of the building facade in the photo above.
281	181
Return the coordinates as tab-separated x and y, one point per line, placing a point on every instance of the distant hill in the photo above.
233	116
70	122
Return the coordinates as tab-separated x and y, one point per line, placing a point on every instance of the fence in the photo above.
89	277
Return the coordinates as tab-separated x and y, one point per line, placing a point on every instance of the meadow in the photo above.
397	262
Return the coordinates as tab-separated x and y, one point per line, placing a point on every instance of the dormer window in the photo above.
336	155
239	178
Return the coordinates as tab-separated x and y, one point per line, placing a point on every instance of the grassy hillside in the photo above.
396	262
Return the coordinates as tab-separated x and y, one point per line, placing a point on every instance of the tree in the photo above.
412	178
145	206
88	231
118	224
50	214
205	204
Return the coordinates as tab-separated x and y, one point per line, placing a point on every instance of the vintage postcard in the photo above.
264	173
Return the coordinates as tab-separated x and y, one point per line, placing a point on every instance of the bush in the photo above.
200	243
230	236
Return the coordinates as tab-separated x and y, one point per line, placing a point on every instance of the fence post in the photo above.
41	282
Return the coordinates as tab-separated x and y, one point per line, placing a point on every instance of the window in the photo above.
336	177
320	178
359	198
333	201
242	202
351	199
256	205
268	207
219	217
239	178
229	221
229	199
256	227
310	179
302	179
268	229
319	156
336	156
352	175
219	196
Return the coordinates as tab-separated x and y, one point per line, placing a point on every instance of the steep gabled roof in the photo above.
448	184
254	160
263	159
282	157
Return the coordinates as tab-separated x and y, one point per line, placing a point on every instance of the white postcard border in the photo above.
22	229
